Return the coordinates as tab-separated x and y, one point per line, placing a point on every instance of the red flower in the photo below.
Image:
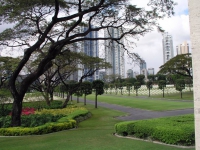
26	111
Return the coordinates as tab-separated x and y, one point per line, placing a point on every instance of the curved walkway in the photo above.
139	114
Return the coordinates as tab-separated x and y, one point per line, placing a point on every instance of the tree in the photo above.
140	78
188	82
162	85
149	85
130	80
97	85
86	87
151	77
180	64
128	88
106	86
137	85
7	66
111	87
57	23
180	85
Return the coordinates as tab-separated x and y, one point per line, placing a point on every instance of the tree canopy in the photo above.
57	23
180	64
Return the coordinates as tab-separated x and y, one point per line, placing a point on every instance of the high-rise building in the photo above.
90	48
182	48
150	71
114	53
129	73
143	68
168	51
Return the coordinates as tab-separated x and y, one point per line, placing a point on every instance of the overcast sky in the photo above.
149	47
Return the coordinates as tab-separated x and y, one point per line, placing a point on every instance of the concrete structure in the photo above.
129	73
168	51
194	18
182	48
114	53
150	71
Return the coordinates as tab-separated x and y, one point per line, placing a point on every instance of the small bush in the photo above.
177	130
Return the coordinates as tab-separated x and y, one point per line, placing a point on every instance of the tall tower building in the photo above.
90	48
182	48
168	51
114	53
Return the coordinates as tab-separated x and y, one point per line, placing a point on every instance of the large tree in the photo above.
180	65
57	23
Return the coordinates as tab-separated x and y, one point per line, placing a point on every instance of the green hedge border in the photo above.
69	122
177	130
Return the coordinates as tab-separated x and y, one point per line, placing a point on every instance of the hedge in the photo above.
67	122
177	130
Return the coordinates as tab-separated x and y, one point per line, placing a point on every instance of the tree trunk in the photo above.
163	92
149	92
77	99
16	111
85	99
96	100
66	101
51	96
181	94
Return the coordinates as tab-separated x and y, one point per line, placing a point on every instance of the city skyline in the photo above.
149	46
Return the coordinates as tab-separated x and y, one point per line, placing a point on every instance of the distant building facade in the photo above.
182	48
168	51
150	71
114	53
130	73
90	48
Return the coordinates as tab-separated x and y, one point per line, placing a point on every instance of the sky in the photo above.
149	47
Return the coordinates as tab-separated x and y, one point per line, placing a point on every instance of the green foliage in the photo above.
137	85
98	85
86	87
140	78
65	122
151	77
161	84
42	105
180	84
149	84
177	130
180	64
5	99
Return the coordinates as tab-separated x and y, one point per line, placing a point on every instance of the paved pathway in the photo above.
138	114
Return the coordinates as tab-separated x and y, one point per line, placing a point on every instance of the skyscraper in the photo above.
168	51
182	48
114	53
90	48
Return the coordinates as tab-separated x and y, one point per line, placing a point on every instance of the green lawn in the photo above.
176	96
95	133
143	103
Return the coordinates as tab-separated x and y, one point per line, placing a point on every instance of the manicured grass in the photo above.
176	96
143	103
95	133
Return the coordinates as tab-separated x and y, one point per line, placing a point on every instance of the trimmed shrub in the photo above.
64	123
177	130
